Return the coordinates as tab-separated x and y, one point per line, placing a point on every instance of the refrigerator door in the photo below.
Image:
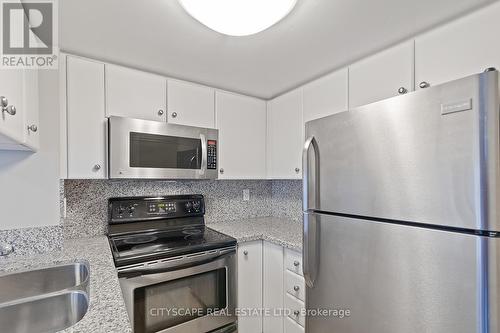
397	278
430	157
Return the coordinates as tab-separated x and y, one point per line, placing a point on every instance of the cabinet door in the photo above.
460	48
31	100
273	286
86	149
135	94
382	75
12	123
190	104
285	136
250	285
326	96
241	121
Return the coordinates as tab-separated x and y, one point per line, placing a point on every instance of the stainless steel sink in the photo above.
43	281
44	300
45	314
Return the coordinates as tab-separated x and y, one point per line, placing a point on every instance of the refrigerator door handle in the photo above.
310	245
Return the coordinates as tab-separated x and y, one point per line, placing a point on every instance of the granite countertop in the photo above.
280	231
107	312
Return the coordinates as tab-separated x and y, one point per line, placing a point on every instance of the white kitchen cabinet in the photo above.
190	104
135	94
326	96
382	75
273	287
85	117
241	121
250	285
460	48
285	136
12	114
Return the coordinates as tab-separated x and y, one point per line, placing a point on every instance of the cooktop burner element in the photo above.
143	229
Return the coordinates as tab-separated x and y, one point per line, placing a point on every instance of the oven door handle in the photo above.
173	264
204	154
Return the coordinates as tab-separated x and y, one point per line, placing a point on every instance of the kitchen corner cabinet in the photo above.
86	120
285	135
326	96
460	48
190	104
250	285
383	75
135	94
241	121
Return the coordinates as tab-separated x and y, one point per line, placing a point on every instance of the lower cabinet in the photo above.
249	286
269	286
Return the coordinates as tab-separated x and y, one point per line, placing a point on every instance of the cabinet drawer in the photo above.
292	327
296	309
293	261
295	285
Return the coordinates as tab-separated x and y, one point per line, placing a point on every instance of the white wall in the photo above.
29	183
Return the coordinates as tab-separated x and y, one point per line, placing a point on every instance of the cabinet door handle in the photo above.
297	170
221	170
296	313
4	102
402	90
160	112
97	167
33	128
174	114
11	109
296	263
296	288
424	84
245	252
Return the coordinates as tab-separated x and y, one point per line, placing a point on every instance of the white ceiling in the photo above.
318	36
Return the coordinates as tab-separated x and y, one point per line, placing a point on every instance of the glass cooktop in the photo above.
146	246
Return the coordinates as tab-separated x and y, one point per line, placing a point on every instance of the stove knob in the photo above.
131	210
196	205
121	210
189	205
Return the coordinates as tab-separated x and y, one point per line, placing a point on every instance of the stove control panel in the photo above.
122	210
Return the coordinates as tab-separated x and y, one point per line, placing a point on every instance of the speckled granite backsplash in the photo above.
86	200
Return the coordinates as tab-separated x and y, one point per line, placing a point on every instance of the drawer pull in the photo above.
296	313
245	252
296	263
296	288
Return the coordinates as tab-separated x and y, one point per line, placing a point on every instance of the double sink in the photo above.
44	300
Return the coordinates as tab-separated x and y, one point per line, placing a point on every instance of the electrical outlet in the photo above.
246	195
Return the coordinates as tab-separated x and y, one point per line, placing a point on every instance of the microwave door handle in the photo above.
310	248
203	154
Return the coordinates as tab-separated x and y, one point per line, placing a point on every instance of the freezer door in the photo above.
430	157
397	278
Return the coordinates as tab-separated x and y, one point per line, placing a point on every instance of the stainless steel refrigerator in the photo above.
401	218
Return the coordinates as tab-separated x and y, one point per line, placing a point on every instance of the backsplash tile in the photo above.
287	199
86	200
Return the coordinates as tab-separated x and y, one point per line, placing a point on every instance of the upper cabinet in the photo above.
241	121
460	48
85	119
135	94
383	75
326	96
190	104
19	109
285	135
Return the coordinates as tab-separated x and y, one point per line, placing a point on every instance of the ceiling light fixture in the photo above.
238	17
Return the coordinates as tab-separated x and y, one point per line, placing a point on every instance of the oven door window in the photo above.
160	306
162	151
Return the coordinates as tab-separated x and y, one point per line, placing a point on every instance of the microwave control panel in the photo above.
212	154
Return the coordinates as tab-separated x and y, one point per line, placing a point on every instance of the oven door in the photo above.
150	149
192	293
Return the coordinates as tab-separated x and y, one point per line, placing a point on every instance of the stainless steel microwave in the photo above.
150	149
